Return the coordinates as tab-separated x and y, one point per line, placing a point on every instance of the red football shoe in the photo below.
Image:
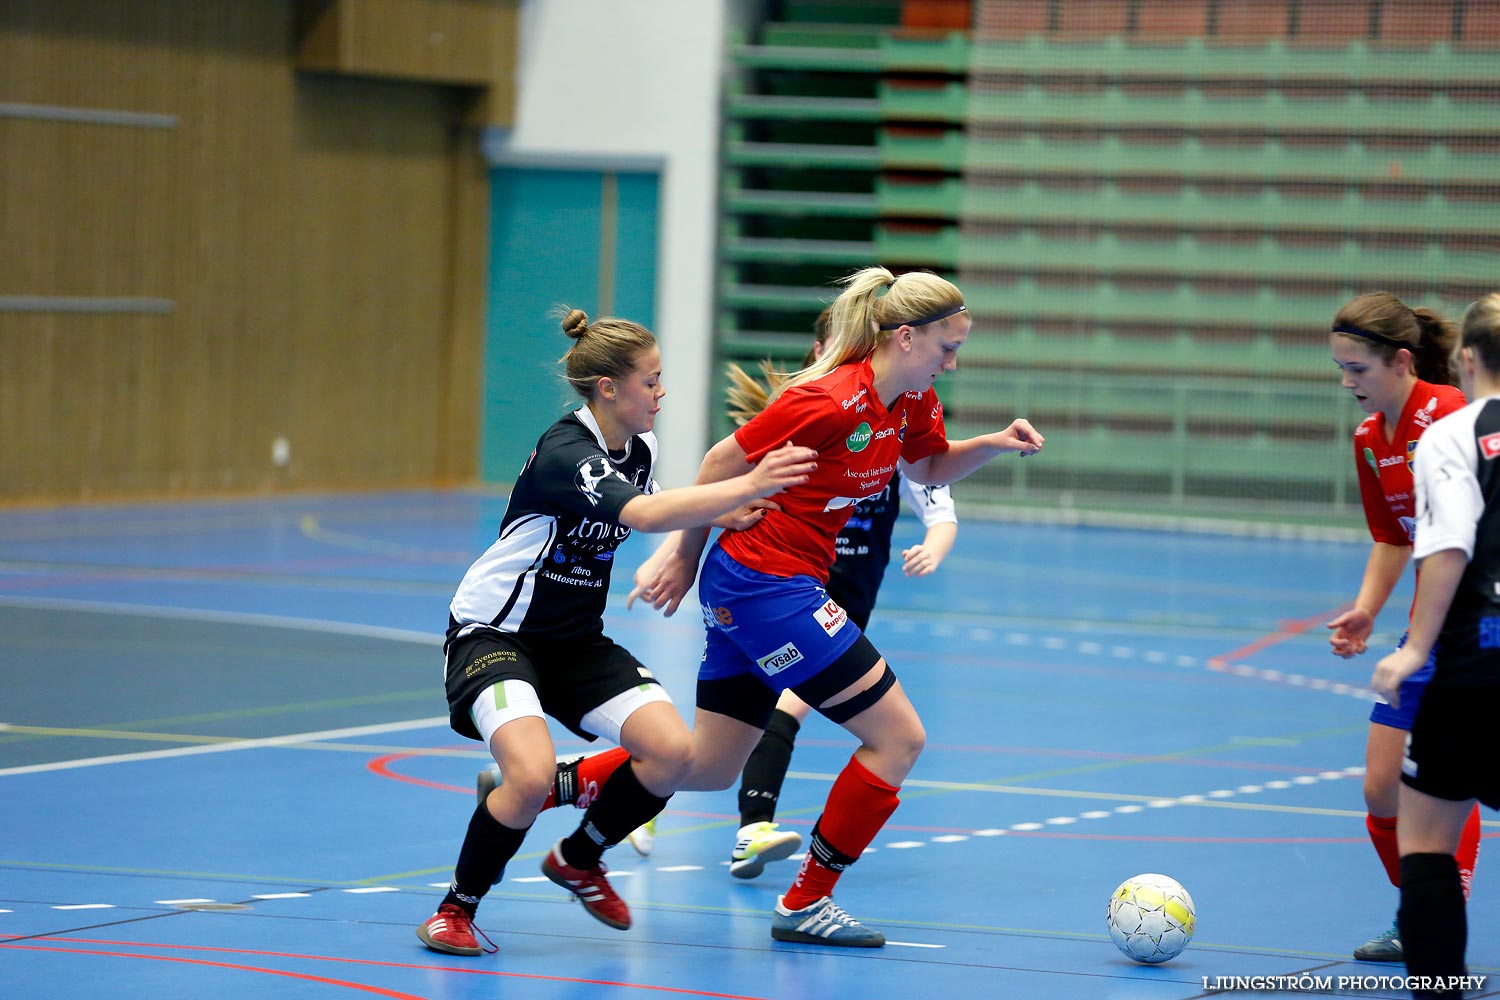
590	887
451	930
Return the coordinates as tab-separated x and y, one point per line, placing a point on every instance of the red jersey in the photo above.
858	441
1385	480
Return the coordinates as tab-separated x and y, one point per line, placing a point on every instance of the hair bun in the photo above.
576	323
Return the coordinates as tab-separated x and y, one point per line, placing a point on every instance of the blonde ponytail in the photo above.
862	318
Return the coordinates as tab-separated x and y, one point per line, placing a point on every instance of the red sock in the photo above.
1468	851
590	776
858	806
1383	836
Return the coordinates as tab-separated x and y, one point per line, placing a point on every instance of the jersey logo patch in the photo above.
779	660
587	480
1489	446
1411	455
859	440
1370	458
831	617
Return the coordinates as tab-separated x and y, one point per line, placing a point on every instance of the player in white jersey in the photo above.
1450	759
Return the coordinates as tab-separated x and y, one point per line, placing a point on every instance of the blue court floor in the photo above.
225	770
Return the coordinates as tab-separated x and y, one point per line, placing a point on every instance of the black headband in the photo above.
926	319
1379	338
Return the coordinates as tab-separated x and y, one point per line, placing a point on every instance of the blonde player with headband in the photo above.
771	626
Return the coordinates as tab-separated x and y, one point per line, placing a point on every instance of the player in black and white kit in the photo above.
1450	757
526	631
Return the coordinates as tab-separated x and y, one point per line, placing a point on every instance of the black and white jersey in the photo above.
1458	507
548	572
863	547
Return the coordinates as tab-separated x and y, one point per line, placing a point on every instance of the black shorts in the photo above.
572	676
854	602
1451	752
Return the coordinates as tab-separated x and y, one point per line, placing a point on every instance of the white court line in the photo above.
229	617
913	944
255	744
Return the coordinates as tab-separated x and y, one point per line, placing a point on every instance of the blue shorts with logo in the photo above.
1411	695
780	630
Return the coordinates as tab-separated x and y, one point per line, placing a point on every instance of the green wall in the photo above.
583	238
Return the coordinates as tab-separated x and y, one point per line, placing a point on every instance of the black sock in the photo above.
1434	927
760	785
622	805
488	845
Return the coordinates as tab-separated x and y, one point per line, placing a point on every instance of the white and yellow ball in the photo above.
1151	918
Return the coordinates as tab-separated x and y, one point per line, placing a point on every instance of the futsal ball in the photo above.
1151	918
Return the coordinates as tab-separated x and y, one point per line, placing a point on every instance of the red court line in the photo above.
382	767
346	961
1289	629
363	987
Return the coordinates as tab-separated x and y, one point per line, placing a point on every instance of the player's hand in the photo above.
1392	670
918	560
642	579
667	587
1351	631
747	516
1021	437
787	466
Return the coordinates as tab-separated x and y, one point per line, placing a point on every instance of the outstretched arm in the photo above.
698	505
963	457
680	555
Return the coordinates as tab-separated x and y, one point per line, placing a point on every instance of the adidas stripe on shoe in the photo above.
823	922
589	887
760	843
451	930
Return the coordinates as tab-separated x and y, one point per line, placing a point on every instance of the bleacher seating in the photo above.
1154	210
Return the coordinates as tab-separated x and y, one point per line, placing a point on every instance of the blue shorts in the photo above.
1411	696
780	630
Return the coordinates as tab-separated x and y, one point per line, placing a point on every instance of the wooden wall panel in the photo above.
259	253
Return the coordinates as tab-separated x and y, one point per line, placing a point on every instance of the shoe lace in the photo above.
833	913
469	922
493	947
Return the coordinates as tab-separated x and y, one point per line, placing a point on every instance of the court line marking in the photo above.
226	617
306	977
189	738
312	528
1223	664
290	741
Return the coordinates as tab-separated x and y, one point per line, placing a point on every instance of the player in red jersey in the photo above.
1397	362
867	402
